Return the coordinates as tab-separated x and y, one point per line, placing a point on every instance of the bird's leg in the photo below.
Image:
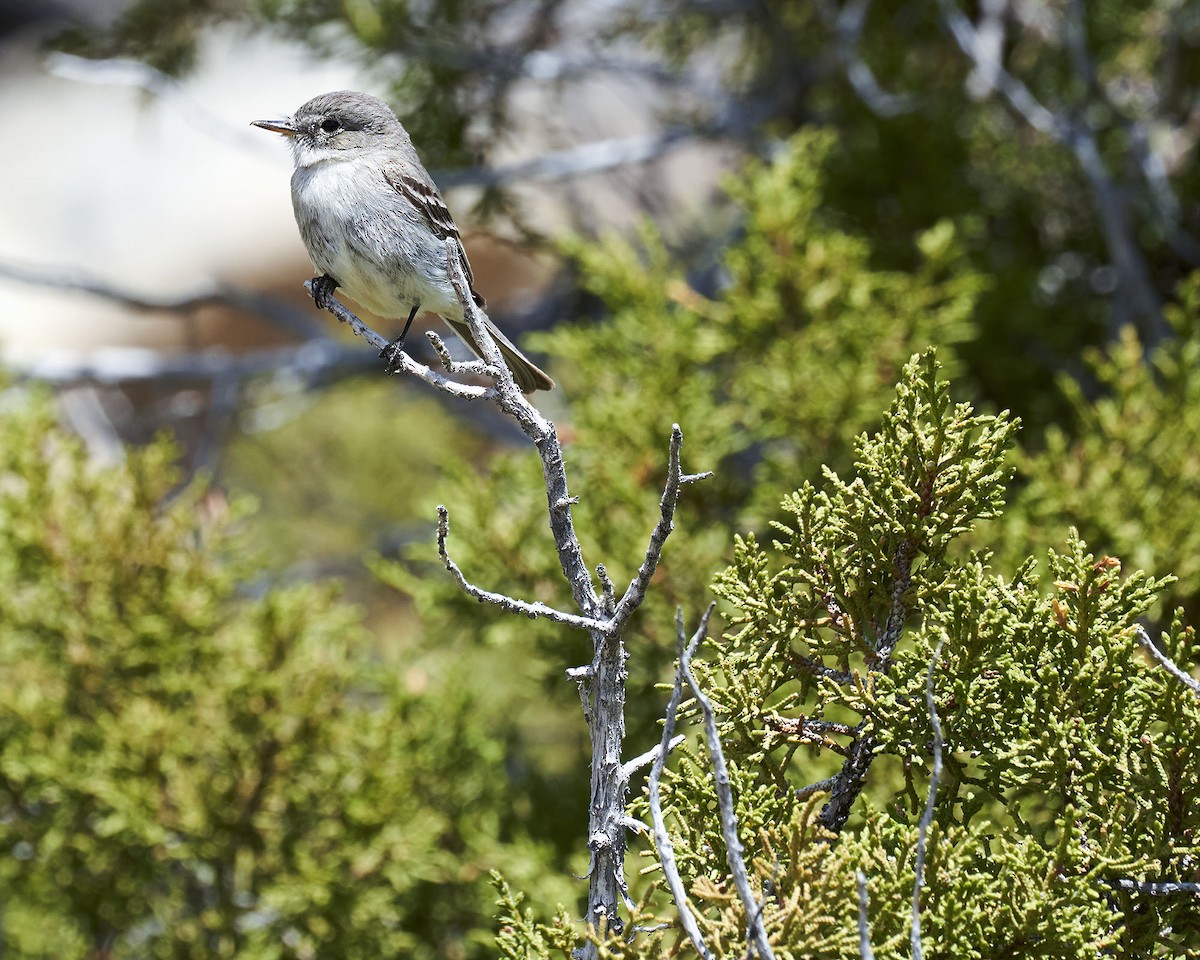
391	352
322	290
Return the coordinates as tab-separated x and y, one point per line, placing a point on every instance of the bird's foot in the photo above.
322	290
391	355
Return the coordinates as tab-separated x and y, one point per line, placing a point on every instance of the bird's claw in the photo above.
322	290
391	355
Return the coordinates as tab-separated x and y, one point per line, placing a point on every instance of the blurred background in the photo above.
740	215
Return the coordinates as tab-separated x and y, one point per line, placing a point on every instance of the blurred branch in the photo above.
88	418
847	30
120	72
541	65
1073	130
117	365
273	311
1162	196
991	33
597	157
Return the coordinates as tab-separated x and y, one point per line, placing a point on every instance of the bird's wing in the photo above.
430	206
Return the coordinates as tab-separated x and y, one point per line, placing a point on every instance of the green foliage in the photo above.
331	458
190	771
798	352
1125	469
860	556
521	935
1071	762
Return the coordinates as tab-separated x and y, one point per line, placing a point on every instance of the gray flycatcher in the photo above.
374	222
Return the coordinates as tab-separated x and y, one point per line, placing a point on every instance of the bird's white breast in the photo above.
366	236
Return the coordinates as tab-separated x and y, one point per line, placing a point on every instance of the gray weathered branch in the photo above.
635	593
630	767
865	952
532	610
662	839
935	777
1158	888
756	932
1167	663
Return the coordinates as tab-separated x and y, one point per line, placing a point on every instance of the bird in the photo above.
375	224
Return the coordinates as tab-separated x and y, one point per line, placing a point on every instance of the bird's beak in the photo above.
276	126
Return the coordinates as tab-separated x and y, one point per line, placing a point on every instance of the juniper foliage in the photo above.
1072	762
191	768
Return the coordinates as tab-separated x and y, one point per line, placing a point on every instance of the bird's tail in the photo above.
528	375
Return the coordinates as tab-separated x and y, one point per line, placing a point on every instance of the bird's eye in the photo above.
331	125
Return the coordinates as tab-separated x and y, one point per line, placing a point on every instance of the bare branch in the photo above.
512	605
756	933
902	564
990	31
635	593
1013	90
1167	663
607	591
469	367
1158	888
927	818
630	767
541	433
864	930
808	728
848	782
402	361
662	840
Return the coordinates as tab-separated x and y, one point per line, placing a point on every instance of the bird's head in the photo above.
338	126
